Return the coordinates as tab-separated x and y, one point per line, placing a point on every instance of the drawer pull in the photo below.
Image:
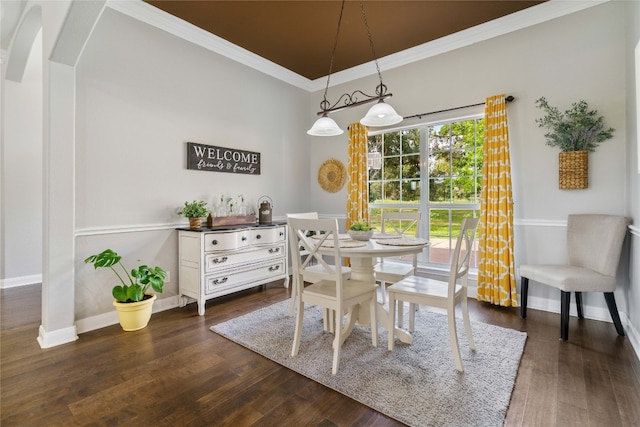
258	237
214	242
244	238
282	233
219	282
274	268
220	260
274	250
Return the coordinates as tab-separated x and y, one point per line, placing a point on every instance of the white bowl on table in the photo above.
360	235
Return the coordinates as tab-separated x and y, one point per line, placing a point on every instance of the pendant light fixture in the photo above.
381	114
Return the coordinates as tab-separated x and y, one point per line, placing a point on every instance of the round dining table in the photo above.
363	256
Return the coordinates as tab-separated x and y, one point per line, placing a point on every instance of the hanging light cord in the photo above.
325	105
381	89
347	100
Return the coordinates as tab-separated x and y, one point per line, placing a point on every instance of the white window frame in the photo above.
424	206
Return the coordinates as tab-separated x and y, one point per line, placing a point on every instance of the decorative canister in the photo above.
265	210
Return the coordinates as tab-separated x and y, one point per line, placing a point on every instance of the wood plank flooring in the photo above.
176	372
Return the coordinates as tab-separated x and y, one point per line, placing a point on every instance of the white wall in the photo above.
632	293
142	94
21	175
586	62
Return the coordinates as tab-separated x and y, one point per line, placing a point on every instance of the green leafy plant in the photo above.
574	130
138	281
361	226
195	209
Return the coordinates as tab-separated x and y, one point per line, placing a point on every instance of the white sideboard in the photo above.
214	262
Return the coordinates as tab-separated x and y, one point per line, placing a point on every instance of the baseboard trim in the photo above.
14	282
57	337
632	334
111	318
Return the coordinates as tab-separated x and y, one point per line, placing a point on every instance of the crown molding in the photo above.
153	16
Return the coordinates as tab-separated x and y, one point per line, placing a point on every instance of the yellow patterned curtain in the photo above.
496	278
357	186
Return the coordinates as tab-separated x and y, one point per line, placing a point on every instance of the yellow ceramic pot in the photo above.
134	315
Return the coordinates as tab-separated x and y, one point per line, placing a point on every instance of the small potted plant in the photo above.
195	211
360	230
576	132
132	301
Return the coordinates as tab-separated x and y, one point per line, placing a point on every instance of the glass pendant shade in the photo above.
381	114
325	126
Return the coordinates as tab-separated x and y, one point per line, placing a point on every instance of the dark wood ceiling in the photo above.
299	35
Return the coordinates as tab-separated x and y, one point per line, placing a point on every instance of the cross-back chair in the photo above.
442	294
307	277
390	271
329	289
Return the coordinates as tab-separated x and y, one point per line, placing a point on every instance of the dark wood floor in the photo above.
176	372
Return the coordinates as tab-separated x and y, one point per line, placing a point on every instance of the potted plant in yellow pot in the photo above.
576	132
195	211
132	301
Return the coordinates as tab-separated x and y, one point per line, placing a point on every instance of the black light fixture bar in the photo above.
351	100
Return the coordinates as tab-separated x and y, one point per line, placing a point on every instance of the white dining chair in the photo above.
328	289
295	286
441	294
392	271
594	243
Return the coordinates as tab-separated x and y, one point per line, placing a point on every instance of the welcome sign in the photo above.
220	159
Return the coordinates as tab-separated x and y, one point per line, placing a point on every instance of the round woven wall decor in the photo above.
331	175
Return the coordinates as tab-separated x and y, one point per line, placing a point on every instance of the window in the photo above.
434	168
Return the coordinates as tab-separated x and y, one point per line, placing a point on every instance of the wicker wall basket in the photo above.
574	170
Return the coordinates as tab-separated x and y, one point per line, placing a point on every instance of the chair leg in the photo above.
327	320
467	323
337	342
383	289
412	316
294	294
579	305
298	331
613	309
400	310
453	337
565	299
392	321
524	291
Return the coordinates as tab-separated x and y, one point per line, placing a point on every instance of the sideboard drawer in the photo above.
226	241
221	282
267	235
215	261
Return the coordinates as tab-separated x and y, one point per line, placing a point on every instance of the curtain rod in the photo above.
508	99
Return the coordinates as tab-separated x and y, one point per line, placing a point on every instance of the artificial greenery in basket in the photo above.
138	281
576	129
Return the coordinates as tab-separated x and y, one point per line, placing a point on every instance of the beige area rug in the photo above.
416	384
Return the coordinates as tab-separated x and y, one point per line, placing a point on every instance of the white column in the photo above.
66	29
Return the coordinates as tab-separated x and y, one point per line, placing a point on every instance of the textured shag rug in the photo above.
416	384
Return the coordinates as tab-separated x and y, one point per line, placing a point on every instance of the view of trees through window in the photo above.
435	169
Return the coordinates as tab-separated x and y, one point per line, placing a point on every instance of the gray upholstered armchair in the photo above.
594	243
